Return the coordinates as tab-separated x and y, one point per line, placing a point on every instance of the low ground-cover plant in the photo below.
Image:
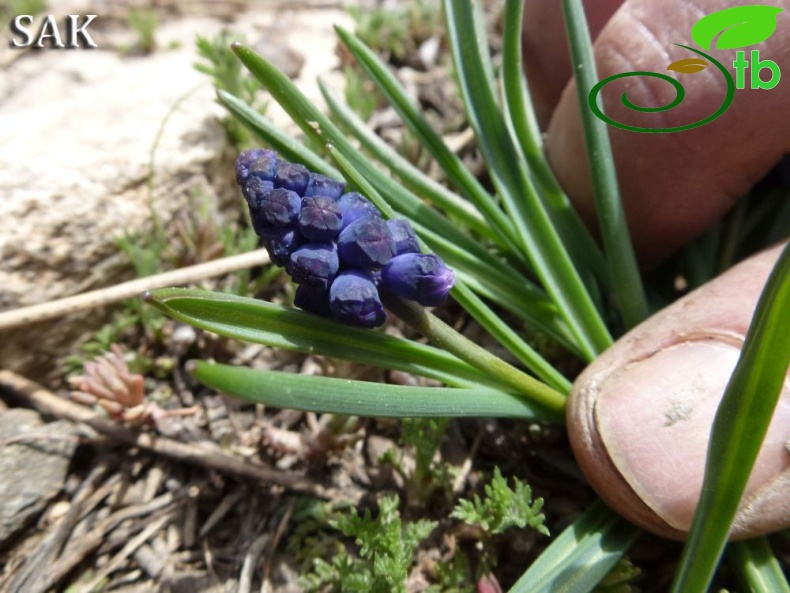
519	252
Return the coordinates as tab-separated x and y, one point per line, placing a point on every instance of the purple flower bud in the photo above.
264	166
318	284
403	235
312	300
354	299
421	278
366	243
281	243
353	206
291	176
280	207
320	218
321	185
254	189
257	160
314	262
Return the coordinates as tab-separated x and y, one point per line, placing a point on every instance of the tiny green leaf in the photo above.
503	507
735	27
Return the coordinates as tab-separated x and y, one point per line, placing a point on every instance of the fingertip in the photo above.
640	416
673	184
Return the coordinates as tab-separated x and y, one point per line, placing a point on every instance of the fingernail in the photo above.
654	418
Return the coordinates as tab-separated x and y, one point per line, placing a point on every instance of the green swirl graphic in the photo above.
680	94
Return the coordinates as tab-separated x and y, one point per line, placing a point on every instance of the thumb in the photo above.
674	185
640	416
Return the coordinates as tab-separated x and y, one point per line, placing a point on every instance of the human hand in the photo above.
644	450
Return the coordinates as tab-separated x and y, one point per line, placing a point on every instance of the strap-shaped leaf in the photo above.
581	555
623	269
360	398
758	567
287	146
505	335
420	183
430	140
523	127
535	231
739	428
739	26
261	322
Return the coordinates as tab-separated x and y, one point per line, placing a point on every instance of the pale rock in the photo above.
78	130
33	465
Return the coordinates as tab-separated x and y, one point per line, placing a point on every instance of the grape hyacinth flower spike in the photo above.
335	245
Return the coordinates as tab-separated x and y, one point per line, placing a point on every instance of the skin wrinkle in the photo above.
655	46
649	34
644	84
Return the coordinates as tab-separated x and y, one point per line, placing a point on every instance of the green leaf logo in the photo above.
736	27
688	65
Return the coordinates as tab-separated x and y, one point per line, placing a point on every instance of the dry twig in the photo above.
77	551
129	549
251	562
278	535
207	457
131	289
226	504
85	499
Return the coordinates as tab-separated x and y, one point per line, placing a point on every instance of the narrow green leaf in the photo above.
735	27
580	556
501	284
289	147
521	115
411	176
536	233
523	126
502	332
372	180
321	129
757	566
623	269
536	316
360	398
301	109
261	322
430	140
739	428
481	41
450	340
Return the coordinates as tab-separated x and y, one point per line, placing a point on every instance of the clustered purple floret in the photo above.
335	245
